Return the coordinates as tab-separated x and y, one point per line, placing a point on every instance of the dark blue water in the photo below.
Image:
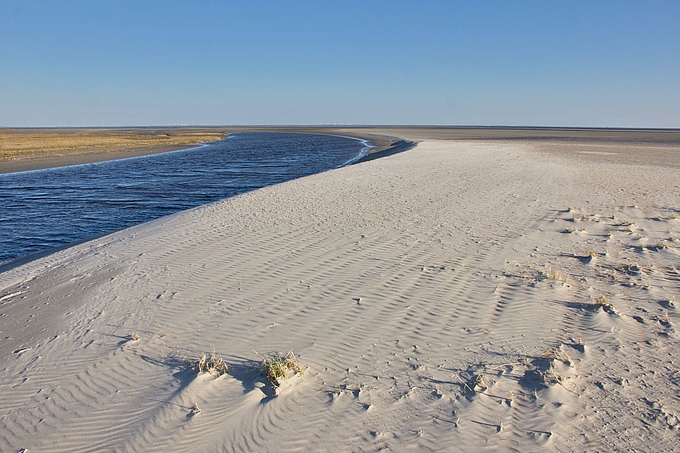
48	208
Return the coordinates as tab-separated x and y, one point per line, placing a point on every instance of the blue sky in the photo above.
561	63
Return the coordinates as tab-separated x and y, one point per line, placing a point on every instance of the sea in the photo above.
41	210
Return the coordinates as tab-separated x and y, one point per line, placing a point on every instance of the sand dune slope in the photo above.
457	297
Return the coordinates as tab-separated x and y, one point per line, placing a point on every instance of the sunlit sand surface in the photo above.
470	294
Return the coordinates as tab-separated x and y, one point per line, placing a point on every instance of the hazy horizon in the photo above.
321	126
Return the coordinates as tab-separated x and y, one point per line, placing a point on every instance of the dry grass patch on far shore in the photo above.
26	144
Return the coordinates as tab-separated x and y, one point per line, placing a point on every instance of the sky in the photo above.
210	62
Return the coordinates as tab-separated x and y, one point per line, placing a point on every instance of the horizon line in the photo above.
348	125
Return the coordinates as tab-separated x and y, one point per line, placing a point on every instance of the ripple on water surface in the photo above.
49	208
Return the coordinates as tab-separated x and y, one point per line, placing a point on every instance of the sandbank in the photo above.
32	149
486	290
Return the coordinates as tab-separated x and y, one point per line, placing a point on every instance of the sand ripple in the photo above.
441	299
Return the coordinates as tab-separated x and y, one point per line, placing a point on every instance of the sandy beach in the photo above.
486	290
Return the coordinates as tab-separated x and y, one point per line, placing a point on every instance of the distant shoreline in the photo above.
33	149
387	140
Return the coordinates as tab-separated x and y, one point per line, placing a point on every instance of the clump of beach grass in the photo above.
554	354
277	367
550	376
669	300
660	245
195	410
479	384
580	345
510	400
212	364
553	275
666	318
602	301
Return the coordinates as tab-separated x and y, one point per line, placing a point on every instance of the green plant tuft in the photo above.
276	366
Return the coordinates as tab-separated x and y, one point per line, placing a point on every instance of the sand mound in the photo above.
456	297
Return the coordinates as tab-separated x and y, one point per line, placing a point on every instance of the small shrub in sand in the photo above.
479	384
554	354
660	245
276	366
553	275
213	365
602	301
669	301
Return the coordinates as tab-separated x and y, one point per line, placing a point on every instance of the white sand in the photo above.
397	282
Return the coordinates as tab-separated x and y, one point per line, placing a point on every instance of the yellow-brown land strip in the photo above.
27	149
